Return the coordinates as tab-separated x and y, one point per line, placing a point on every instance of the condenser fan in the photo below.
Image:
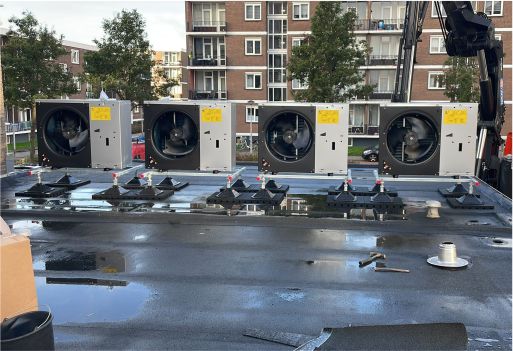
289	136
412	138
175	134
66	132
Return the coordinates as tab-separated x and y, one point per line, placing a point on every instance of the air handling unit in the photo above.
181	135
421	139
84	133
302	137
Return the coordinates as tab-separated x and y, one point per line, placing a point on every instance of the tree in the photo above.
329	58
30	68
123	65
461	79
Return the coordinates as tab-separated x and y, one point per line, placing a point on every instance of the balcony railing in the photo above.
364	130
208	61
18	127
89	95
379	24
209	26
381	95
377	60
208	95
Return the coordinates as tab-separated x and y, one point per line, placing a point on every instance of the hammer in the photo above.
373	256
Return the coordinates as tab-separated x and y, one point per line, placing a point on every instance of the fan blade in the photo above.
186	128
396	136
419	126
303	138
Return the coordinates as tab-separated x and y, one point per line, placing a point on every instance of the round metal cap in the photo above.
458	263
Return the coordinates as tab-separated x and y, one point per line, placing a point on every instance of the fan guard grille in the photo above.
412	138
66	132
289	136
175	134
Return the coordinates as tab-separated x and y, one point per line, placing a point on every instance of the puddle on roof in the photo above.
86	300
106	262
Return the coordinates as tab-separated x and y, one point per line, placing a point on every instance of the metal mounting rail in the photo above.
230	177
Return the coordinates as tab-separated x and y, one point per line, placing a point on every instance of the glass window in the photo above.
253	80
277	8
277	94
437	44
297	41
252	114
435	80
253	12
75	56
299	85
301	11
253	46
493	8
78	85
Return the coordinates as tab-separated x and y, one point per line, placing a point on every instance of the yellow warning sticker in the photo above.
100	113
211	115
455	117
328	117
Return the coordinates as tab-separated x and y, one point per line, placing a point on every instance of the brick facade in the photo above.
235	29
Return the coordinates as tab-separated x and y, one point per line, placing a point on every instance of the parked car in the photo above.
371	154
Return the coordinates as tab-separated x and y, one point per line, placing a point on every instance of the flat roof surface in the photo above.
142	277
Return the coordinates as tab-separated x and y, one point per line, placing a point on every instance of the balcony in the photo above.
209	26
382	60
18	127
363	130
208	95
208	61
381	95
379	24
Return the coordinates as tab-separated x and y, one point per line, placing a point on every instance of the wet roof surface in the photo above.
144	277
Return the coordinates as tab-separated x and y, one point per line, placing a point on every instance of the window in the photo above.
277	8
349	141
77	83
277	94
253	12
137	109
254	46
498	36
75	56
167	58
493	8
437	44
297	41
253	80
174	57
64	67
252	114
277	68
435	80
433	9
277	34
301	11
297	84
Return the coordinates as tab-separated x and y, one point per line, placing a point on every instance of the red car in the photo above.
138	151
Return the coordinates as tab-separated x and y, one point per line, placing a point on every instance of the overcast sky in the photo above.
80	21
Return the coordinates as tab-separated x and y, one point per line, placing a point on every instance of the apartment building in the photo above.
174	65
239	51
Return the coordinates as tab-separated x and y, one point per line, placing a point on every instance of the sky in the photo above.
80	21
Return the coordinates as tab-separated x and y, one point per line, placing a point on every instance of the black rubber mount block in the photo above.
40	190
434	336
394	206
148	193
135	183
69	182
468	202
241	187
358	191
169	183
457	190
230	197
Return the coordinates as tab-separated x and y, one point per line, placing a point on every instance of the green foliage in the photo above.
123	64
355	150
29	66
330	57
461	79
